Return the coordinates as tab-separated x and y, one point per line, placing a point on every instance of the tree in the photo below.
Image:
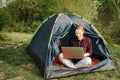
109	17
27	15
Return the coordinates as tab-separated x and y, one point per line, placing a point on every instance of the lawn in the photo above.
16	64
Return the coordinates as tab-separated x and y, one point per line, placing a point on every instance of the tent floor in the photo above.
57	62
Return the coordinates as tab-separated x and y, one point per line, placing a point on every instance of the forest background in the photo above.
27	15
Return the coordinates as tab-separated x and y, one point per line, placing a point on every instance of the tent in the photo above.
44	50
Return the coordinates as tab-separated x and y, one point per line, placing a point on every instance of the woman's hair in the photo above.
79	27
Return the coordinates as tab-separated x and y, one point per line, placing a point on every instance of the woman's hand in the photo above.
86	54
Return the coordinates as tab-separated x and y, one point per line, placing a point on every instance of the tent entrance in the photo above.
96	56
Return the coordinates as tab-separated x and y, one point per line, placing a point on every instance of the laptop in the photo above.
73	52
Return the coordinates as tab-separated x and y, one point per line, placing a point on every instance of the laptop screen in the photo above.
73	52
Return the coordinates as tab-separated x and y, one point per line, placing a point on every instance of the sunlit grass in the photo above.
15	37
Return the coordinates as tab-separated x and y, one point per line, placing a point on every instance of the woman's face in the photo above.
79	33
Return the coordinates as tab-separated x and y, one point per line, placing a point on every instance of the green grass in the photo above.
14	58
15	37
15	63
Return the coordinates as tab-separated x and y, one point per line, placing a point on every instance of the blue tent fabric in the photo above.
44	49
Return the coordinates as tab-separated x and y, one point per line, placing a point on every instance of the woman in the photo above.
79	41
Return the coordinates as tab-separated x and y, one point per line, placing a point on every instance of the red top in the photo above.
85	43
